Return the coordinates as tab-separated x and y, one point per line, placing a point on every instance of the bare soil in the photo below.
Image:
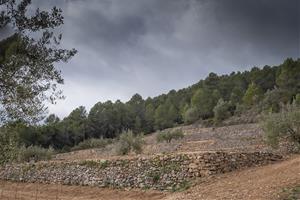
258	183
30	191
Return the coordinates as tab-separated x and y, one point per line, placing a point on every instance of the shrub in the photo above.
92	143
155	176
34	153
168	136
129	142
8	147
285	124
221	110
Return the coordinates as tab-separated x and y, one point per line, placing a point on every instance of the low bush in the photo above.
155	176
168	136
283	125
92	143
129	142
34	153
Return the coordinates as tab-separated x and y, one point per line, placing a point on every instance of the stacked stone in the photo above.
161	172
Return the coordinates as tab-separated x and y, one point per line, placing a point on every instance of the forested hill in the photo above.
215	97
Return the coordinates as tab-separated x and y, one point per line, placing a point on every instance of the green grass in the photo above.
182	186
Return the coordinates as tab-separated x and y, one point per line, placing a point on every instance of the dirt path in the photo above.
261	183
22	191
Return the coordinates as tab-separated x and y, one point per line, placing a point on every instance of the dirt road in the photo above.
260	183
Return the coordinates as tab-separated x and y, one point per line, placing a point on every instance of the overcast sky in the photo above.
152	46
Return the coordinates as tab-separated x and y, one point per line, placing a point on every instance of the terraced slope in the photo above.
258	183
244	137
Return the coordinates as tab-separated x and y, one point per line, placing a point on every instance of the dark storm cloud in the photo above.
269	25
152	46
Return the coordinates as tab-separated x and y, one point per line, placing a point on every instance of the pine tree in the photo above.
253	94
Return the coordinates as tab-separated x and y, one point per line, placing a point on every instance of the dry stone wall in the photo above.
162	172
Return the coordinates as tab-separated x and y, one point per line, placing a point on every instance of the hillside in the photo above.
211	101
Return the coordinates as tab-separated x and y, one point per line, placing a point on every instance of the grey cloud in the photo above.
152	46
4	33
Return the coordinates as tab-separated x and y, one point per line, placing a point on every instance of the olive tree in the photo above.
28	56
283	125
128	142
168	135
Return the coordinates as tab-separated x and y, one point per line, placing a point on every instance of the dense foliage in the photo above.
214	99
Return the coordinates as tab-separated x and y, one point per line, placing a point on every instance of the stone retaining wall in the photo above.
163	172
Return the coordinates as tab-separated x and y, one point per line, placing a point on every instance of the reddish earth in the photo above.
260	183
23	191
